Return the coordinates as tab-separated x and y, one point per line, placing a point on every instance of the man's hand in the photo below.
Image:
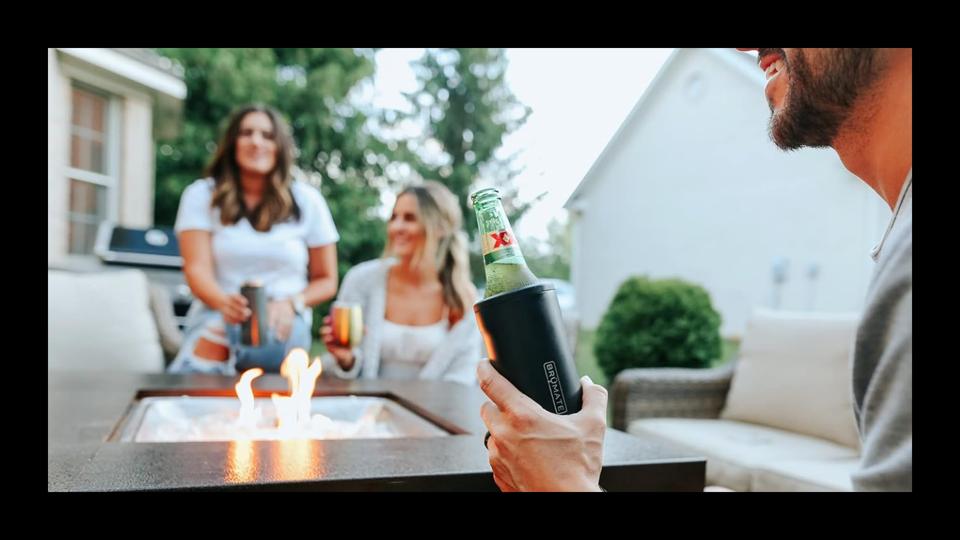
535	450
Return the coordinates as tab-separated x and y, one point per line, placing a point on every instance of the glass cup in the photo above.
347	318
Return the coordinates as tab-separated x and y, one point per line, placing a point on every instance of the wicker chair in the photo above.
669	393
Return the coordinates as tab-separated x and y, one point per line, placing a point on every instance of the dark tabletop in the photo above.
85	409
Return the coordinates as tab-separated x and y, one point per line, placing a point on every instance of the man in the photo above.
859	102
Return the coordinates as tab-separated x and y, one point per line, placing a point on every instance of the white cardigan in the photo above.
454	360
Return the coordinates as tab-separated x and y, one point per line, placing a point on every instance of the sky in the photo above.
579	98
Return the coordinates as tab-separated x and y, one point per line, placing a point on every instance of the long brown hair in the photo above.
445	242
278	203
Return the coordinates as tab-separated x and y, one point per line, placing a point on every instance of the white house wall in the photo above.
58	155
138	91
693	188
137	177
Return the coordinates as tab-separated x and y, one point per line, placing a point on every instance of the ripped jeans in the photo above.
212	346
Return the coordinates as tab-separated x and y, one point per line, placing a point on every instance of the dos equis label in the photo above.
497	239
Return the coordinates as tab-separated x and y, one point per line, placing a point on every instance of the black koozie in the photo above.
524	335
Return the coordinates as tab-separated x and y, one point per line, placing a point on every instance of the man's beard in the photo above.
815	106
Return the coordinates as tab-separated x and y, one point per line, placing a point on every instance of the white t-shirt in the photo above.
278	257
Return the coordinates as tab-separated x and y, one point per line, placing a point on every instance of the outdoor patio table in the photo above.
86	409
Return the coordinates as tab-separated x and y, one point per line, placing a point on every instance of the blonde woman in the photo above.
417	299
250	220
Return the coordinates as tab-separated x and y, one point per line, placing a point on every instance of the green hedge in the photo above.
658	323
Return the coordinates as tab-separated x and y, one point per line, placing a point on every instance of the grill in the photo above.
155	251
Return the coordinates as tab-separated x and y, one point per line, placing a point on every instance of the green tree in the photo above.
467	109
550	258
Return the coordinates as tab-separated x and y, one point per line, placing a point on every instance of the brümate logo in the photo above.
553	382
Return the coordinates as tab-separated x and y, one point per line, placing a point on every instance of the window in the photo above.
92	173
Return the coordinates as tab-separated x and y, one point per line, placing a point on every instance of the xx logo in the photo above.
501	239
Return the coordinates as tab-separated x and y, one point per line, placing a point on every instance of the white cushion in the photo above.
806	475
794	373
101	321
734	450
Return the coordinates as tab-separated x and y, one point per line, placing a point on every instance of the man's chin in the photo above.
778	136
783	144
784	133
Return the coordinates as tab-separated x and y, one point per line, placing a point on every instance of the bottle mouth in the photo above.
484	193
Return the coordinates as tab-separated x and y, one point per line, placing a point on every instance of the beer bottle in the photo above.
504	265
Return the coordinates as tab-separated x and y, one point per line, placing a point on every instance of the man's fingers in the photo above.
503	394
499	472
594	396
491	416
504	487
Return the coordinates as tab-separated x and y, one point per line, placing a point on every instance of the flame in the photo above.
299	458
293	411
248	414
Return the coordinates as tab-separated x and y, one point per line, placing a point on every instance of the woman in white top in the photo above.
250	220
417	300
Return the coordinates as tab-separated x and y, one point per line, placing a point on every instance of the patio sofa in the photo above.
777	418
112	319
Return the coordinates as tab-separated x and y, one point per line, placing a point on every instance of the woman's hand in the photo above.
280	315
343	355
234	308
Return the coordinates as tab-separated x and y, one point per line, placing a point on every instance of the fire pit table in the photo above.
148	432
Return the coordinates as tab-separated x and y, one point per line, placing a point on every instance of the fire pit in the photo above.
147	432
298	415
189	418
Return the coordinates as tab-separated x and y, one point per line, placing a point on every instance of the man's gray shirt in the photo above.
883	360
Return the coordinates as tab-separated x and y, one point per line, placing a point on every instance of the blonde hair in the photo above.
445	243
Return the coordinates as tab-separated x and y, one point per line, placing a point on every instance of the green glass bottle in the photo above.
504	265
